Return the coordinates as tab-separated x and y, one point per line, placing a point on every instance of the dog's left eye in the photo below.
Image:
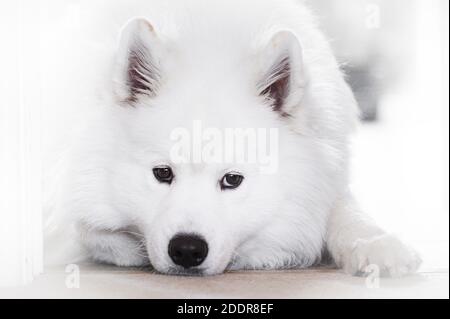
163	174
231	181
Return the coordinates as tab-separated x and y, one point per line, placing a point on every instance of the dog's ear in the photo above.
282	78
137	69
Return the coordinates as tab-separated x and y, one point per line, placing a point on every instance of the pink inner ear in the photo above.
136	80
278	90
142	75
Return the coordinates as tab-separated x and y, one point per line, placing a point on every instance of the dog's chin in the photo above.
175	271
194	272
191	272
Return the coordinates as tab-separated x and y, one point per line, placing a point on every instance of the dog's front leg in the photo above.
355	242
121	247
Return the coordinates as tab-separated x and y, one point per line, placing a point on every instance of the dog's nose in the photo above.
188	250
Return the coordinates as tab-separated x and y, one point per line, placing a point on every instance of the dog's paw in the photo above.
392	257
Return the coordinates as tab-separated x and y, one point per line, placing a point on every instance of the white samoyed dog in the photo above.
219	142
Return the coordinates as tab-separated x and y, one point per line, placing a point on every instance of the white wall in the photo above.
20	158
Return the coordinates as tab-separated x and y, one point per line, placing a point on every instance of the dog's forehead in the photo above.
216	106
206	170
206	115
191	141
208	79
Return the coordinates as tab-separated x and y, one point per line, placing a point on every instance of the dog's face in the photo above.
201	203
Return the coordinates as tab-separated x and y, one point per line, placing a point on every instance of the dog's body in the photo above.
227	64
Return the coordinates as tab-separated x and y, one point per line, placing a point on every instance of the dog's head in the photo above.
204	160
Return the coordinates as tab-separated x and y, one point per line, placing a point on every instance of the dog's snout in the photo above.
188	250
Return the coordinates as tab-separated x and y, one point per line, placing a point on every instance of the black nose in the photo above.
188	250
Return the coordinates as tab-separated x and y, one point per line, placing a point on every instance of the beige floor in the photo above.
110	282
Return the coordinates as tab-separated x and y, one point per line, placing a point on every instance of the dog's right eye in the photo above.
163	174
231	181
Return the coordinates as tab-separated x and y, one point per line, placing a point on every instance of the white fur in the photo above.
210	55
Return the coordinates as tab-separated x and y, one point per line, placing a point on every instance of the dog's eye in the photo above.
231	181
163	174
